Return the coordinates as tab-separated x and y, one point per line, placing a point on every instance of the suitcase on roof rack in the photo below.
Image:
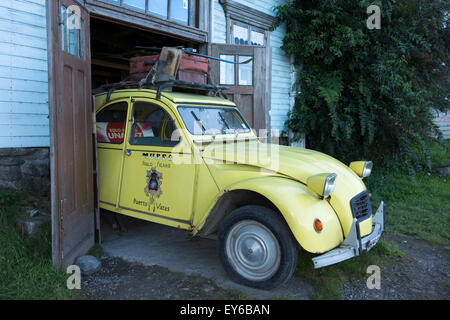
192	68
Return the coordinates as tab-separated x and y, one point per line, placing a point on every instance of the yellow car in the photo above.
192	162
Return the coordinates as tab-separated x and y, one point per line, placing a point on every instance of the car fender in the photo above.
299	207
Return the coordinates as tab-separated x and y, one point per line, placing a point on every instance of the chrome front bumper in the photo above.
354	245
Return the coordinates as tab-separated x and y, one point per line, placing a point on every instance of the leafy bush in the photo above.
440	154
368	94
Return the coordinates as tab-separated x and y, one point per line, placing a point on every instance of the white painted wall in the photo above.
442	120
24	71
218	21
281	67
281	81
23	74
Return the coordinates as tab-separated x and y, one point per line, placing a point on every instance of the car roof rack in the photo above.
159	86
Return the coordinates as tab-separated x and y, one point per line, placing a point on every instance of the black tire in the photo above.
233	247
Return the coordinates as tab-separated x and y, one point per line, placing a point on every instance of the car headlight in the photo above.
362	168
323	184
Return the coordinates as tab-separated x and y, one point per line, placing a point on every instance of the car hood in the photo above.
294	163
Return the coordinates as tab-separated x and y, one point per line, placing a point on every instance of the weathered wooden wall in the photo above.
23	74
280	65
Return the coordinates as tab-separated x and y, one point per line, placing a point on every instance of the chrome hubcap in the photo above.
253	250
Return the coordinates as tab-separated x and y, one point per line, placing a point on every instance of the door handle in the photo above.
128	152
61	204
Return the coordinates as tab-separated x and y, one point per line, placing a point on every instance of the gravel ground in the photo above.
119	279
422	274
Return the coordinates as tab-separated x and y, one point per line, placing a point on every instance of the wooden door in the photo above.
71	123
247	82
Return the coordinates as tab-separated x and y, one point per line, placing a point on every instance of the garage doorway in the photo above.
114	43
85	52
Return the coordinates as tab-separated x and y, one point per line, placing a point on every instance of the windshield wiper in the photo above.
224	121
198	121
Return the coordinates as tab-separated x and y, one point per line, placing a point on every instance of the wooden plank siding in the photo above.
281	81
218	22
442	120
23	74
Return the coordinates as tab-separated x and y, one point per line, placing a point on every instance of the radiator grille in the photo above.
360	205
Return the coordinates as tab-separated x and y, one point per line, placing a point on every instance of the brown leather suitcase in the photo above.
192	68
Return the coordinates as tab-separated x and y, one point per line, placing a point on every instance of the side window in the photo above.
152	126
111	122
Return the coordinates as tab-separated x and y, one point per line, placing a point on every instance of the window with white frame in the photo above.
242	34
240	74
175	10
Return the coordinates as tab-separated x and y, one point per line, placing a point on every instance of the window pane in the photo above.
257	38
82	41
226	70
63	28
245	71
240	35
135	4
179	10
110	124
152	126
74	41
72	32
158	7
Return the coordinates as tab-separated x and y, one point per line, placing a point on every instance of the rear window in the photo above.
110	123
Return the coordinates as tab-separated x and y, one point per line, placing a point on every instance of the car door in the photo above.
110	125
152	183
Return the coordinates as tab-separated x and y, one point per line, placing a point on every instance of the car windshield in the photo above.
212	121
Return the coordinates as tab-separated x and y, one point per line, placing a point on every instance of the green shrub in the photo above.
368	94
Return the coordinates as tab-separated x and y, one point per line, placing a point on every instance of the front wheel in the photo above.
256	247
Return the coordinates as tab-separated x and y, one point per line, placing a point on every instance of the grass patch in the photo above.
418	207
233	295
440	154
96	251
329	280
26	270
286	297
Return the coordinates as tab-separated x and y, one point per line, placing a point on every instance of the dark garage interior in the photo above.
114	43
